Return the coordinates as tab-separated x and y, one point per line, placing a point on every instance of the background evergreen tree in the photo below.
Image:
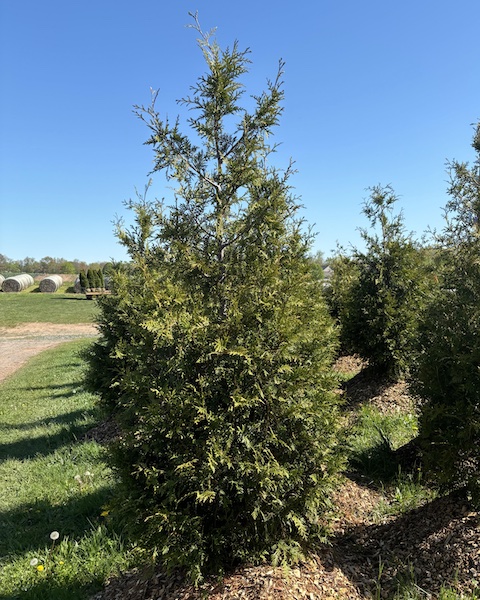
377	293
91	278
448	370
216	348
100	279
83	280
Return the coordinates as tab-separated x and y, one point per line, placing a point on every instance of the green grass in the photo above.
53	480
26	307
410	590
374	437
370	446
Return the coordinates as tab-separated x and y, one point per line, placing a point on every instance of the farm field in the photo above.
391	535
31	307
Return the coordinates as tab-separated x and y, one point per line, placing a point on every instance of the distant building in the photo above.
327	275
327	272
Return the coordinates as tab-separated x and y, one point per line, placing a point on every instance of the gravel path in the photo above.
19	344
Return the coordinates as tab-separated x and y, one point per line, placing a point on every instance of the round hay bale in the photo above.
2	279
18	283
50	284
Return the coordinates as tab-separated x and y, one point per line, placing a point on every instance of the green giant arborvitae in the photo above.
216	346
448	366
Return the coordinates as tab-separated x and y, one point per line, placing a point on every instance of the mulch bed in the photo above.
432	546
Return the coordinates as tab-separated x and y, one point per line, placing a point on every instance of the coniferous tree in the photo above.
91	278
216	347
448	374
83	280
377	293
100	279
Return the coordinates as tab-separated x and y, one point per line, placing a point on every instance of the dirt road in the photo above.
18	344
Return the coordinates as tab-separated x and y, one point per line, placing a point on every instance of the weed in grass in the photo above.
409	589
412	591
74	571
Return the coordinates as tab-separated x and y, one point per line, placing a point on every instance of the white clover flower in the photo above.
54	535
34	562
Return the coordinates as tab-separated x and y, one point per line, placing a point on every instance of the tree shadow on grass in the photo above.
53	590
28	526
72	298
30	447
55	392
63	419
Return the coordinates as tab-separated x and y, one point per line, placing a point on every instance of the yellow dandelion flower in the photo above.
40	568
104	513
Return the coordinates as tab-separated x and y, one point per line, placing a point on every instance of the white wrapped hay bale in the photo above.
2	279
51	284
18	283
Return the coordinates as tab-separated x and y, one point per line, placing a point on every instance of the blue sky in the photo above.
376	92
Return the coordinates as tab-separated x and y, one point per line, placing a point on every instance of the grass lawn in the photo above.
53	480
28	307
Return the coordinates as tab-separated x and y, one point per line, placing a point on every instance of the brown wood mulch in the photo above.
435	545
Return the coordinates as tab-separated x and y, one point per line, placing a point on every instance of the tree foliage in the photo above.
376	293
448	370
47	264
83	280
216	346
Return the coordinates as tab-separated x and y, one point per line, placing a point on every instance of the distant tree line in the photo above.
47	264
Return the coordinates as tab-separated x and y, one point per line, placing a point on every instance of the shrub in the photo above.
216	348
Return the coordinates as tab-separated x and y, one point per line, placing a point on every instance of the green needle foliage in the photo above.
448	374
83	280
376	294
216	347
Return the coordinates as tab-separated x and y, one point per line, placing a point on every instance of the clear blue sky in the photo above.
375	92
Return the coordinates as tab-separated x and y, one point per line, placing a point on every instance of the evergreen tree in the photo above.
216	347
377	293
91	278
83	280
100	279
448	374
